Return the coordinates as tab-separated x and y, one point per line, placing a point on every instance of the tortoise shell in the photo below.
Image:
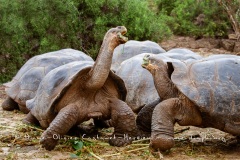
182	54
181	50
132	48
212	84
24	85
55	84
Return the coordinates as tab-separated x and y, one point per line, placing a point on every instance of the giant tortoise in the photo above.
75	92
24	85
204	93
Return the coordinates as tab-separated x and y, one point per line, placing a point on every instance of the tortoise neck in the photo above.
164	85
100	70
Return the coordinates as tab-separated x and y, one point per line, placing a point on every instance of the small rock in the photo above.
228	44
236	47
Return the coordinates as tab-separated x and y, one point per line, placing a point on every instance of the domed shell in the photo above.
212	84
182	54
181	50
24	85
132	48
56	83
218	56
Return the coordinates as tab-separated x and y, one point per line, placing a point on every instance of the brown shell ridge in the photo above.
121	85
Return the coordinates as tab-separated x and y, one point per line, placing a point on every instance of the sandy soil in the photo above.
18	141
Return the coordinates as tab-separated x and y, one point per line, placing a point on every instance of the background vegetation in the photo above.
28	27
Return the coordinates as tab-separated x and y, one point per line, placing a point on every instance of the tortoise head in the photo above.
116	36
151	63
146	61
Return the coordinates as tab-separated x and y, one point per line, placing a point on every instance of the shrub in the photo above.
233	10
28	28
141	22
186	18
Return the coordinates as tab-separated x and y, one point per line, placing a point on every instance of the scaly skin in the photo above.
62	123
164	86
101	68
165	115
123	121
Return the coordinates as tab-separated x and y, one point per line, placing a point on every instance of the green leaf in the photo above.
72	155
78	153
77	145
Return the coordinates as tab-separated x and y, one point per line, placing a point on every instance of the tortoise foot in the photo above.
161	143
9	104
48	141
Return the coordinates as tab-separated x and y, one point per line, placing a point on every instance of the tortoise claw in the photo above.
48	142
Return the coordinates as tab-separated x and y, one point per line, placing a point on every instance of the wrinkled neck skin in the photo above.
164	85
99	72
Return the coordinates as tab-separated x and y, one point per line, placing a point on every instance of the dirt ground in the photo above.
19	141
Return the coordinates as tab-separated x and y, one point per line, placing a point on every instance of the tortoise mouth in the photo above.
146	61
121	34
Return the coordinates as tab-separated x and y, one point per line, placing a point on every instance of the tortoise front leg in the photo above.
63	122
165	115
123	121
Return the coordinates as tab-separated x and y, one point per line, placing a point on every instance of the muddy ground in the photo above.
18	141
